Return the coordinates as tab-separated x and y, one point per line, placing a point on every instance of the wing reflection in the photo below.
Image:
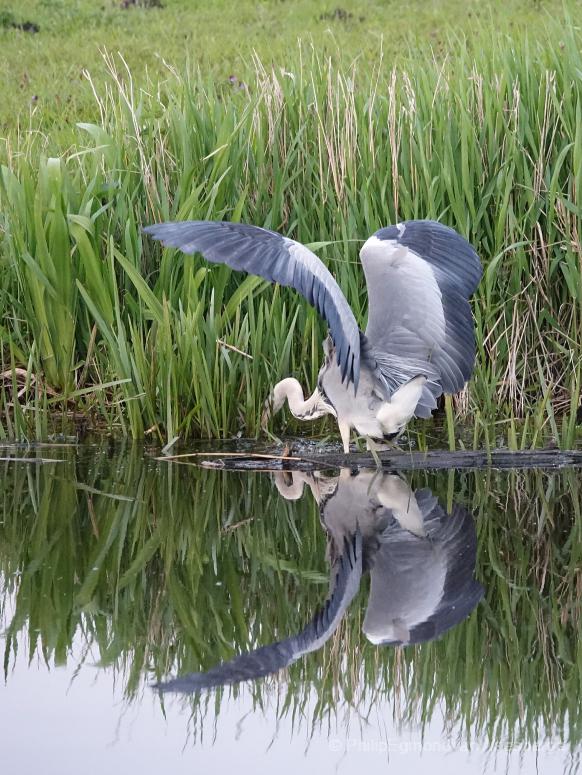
421	562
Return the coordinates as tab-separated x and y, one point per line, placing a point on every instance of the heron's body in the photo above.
371	415
419	341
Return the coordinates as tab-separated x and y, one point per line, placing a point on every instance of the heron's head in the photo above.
273	403
289	389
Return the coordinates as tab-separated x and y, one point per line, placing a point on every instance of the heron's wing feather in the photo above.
278	259
427	582
348	573
246	667
269	659
451	256
420	275
457	535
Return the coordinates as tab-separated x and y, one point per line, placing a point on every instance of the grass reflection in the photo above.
161	568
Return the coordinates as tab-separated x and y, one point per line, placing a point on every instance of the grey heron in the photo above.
421	562
419	341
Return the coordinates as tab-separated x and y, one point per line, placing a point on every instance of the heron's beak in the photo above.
267	412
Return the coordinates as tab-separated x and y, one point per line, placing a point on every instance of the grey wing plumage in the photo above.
348	573
420	275
246	667
269	659
422	586
278	259
461	593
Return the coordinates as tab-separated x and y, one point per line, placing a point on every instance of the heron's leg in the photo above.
344	429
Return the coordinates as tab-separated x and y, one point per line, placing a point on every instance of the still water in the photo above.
118	571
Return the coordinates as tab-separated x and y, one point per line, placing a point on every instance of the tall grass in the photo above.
106	325
153	568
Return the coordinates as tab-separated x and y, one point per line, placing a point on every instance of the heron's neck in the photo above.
291	390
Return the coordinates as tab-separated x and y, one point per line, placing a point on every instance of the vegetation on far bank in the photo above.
47	45
98	323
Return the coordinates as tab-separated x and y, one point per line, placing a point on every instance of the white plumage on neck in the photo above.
304	409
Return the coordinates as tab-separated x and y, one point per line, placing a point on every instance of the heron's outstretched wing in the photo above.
278	259
269	659
461	591
420	275
421	587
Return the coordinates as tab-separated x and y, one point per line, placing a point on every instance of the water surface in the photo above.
118	570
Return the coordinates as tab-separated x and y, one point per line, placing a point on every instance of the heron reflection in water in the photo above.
419	341
421	562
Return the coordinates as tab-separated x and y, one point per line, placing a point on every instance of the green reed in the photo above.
104	324
158	568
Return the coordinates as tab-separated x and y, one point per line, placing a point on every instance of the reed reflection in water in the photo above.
162	569
421	562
